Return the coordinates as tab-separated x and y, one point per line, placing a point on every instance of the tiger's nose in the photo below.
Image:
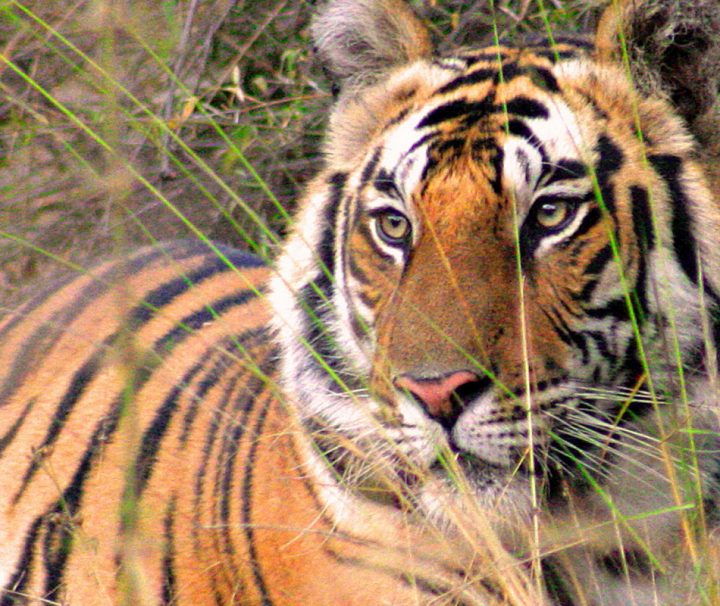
436	394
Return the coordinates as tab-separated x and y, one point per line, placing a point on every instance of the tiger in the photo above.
481	370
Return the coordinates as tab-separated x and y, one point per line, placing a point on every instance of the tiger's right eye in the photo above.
393	227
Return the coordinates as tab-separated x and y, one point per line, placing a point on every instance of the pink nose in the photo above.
435	394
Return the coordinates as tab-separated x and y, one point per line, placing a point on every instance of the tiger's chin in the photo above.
478	495
452	486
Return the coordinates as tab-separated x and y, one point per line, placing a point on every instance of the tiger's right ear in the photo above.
359	41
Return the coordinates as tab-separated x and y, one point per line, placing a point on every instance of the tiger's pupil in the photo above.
552	214
393	227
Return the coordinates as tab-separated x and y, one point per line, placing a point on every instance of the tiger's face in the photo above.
477	273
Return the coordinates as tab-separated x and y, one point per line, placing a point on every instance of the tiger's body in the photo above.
204	504
494	314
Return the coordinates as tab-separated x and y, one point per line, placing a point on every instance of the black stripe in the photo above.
632	369
10	434
639	295
554	56
526	108
169	583
669	167
543	78
47	334
215	425
369	302
609	162
313	299
616	309
455	146
385	183
326	247
81	379
397	118
642	221
99	285
460	108
483	144
496	181
14	592
475	77
154	435
247	505
594	268
645	235
493	55
422	141
555	582
370	167
356	271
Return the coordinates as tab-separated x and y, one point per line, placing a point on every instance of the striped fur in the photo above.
473	332
164	393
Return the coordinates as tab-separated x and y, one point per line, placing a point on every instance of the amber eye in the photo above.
553	213
392	227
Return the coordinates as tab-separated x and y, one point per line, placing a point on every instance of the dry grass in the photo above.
187	97
113	112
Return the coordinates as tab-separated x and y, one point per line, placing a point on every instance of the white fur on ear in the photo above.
360	40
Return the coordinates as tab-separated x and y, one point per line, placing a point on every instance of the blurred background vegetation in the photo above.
128	121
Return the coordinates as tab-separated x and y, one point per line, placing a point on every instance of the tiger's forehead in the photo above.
497	111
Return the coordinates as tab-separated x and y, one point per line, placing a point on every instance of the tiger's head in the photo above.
508	255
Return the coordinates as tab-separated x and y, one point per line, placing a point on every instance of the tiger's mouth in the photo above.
488	443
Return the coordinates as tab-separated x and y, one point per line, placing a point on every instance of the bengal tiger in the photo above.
481	371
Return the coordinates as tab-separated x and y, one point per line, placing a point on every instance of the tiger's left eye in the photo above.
392	227
553	213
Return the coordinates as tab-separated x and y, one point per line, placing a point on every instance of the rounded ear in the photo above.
361	40
673	49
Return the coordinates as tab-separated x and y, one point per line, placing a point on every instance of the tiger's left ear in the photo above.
359	41
673	50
